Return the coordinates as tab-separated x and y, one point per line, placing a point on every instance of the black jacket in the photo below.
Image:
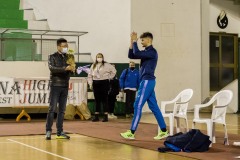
114	87
58	75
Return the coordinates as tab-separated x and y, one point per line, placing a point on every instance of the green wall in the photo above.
119	108
10	15
15	49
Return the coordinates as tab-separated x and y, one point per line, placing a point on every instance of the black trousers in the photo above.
58	96
130	98
100	91
111	103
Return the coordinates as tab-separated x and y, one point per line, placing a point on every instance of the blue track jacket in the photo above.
148	63
131	80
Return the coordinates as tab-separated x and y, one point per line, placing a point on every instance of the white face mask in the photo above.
65	50
99	60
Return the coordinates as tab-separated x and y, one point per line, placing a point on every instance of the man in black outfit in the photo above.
112	94
59	82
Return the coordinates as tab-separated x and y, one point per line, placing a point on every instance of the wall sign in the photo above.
16	92
222	20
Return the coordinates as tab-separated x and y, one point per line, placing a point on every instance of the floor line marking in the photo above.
42	137
39	149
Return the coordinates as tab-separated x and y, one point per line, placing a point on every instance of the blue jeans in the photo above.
58	96
145	94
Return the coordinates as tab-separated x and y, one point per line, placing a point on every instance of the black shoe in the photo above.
105	118
48	135
95	119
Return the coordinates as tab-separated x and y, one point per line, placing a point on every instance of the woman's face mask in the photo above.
64	50
99	60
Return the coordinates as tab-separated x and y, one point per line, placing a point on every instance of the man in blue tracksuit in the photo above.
129	83
146	91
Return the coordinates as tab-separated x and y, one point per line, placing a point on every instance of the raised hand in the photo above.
134	36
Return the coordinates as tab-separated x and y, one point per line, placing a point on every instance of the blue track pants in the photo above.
146	93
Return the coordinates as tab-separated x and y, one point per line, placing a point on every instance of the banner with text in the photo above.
17	92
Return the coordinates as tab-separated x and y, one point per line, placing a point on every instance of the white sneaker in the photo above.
236	143
115	117
128	116
112	116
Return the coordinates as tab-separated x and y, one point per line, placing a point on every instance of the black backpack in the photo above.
192	141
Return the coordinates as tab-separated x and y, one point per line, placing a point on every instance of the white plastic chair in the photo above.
220	101
180	103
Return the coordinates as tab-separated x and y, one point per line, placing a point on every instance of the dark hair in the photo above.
147	35
61	40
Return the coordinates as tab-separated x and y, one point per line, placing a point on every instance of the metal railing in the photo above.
36	45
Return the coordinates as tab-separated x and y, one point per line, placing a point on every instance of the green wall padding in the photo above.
19	49
13	23
9	4
13	49
10	15
119	108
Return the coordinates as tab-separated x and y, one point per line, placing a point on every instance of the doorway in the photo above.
223	59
